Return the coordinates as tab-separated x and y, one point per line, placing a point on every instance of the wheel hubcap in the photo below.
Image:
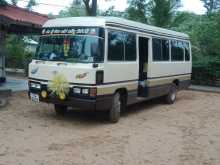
173	96
117	104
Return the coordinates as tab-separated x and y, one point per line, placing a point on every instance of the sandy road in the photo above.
150	133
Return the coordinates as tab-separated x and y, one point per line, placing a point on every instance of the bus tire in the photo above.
115	111
170	98
3	102
60	109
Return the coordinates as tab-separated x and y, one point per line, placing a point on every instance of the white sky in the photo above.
195	6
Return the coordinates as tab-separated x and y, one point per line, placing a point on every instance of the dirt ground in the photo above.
150	133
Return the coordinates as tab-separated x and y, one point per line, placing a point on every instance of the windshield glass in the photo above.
71	48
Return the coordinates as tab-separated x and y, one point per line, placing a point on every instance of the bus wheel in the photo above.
114	113
171	96
60	109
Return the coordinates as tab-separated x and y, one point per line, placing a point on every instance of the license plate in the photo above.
34	97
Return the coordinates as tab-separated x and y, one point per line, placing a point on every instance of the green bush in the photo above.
14	52
206	73
16	56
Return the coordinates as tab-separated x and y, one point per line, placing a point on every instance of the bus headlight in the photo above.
62	96
35	85
44	94
76	90
85	91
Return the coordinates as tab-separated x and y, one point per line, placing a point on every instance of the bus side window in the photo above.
130	46
157	50
177	50
187	51
160	50
115	46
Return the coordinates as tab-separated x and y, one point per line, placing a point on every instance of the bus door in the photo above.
143	65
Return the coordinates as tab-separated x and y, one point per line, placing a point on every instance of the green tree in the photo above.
16	54
211	5
77	7
111	12
75	10
162	12
15	51
14	2
3	3
31	4
156	12
137	10
91	7
204	32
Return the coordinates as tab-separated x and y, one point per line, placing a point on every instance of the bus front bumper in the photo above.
101	103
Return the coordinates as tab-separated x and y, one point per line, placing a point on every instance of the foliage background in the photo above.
204	30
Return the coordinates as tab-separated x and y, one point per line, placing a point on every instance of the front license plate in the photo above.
34	97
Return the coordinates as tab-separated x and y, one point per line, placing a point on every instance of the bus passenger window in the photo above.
165	50
187	50
177	50
115	46
130	46
160	50
156	49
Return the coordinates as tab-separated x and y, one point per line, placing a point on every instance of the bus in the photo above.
108	63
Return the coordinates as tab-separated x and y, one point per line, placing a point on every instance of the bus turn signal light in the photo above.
44	94
62	96
93	92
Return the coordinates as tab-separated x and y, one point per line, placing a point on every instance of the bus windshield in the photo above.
71	48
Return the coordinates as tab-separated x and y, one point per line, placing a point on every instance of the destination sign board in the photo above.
72	31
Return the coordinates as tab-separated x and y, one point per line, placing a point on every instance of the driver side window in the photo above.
115	46
121	46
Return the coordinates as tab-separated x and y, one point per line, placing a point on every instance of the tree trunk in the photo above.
94	7
91	10
88	9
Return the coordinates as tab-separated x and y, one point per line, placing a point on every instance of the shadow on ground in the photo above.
98	117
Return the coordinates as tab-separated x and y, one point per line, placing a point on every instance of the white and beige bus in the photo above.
109	63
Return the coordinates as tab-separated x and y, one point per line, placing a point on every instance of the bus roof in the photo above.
111	22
